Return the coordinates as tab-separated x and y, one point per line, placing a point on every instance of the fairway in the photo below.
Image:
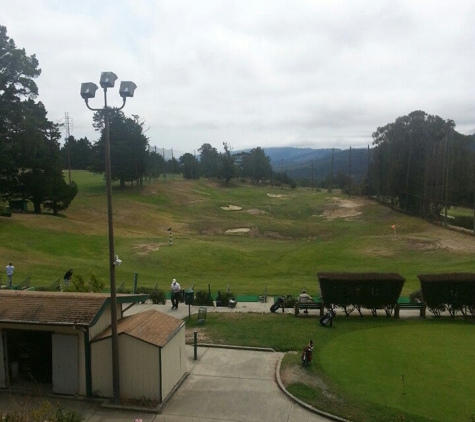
248	238
425	369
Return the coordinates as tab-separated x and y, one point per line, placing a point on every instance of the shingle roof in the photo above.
33	307
152	327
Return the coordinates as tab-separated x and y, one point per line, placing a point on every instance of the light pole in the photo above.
88	90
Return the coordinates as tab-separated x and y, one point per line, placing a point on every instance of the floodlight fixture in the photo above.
108	79
127	89
88	90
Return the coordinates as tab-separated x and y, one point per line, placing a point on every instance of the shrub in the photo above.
203	298
224	298
78	284
158	297
463	221
45	412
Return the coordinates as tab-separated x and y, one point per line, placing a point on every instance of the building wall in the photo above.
103	323
139	364
140	368
101	368
173	362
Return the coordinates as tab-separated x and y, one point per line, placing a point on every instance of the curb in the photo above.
225	346
300	402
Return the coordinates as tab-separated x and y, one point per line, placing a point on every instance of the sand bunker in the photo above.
273	195
231	208
240	230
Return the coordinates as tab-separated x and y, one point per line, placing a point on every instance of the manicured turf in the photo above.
425	369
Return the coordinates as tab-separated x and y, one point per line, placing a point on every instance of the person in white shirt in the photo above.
305	298
176	289
9	269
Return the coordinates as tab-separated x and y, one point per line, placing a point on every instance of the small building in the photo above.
19	205
62	341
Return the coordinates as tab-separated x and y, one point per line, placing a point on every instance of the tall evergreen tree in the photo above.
30	166
128	147
209	160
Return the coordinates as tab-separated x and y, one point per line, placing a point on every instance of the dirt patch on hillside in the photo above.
343	208
439	238
145	248
255	211
273	195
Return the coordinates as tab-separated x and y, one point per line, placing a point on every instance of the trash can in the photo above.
189	297
202	315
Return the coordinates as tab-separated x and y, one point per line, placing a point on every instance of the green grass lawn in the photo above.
293	235
434	360
359	363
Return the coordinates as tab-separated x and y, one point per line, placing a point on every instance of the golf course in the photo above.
250	239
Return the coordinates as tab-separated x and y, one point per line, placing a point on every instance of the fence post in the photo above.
136	275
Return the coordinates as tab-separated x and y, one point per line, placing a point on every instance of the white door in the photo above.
65	364
3	360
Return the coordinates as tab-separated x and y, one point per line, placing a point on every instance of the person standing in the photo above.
67	277
176	289
9	269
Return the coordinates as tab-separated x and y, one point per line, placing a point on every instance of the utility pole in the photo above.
282	171
446	178
68	123
173	167
330	187
312	175
349	191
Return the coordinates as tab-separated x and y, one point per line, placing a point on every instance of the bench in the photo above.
306	306
415	305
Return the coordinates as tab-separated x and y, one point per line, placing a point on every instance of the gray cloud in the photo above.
266	73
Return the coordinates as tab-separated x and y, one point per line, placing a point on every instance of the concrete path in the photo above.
233	385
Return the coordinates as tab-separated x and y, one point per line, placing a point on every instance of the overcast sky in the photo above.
254	73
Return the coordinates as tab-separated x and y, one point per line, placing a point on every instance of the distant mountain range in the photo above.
300	163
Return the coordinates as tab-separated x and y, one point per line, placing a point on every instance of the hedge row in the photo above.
361	290
454	292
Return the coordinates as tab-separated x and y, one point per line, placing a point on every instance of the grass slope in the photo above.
293	234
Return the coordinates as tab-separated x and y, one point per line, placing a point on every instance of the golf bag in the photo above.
278	304
327	318
307	354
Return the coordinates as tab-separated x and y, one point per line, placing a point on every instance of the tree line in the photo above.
30	164
421	164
